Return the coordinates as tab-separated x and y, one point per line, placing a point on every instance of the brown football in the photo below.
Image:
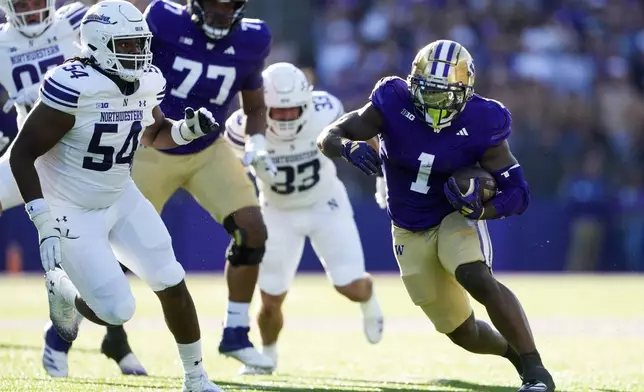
487	188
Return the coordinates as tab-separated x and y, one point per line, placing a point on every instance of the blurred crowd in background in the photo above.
570	71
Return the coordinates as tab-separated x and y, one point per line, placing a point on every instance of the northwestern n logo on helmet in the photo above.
99	19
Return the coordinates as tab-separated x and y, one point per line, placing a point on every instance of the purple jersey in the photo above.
201	72
417	161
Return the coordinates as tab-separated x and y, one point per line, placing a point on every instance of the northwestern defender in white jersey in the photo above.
36	38
305	199
75	180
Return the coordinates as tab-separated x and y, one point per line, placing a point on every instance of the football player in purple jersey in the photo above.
211	54
430	126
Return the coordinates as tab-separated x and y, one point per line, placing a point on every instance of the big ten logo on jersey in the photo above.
296	172
29	68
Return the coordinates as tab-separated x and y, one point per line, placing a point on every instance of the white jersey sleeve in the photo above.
73	13
235	132
62	86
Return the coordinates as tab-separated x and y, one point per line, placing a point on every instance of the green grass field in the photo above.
590	331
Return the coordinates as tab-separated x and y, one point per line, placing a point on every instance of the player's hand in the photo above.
199	123
468	204
255	154
48	233
362	156
26	96
381	192
4	141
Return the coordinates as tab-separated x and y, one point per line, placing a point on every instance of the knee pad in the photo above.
238	254
119	312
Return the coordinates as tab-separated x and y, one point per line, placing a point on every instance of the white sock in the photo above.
237	314
191	357
371	308
270	351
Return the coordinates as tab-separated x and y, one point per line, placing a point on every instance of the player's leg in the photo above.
99	291
221	186
336	241
284	249
115	346
465	251
141	241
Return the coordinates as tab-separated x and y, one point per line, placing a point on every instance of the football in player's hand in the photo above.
487	188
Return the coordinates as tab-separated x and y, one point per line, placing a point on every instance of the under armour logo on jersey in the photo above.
409	116
333	204
210	46
399	249
230	50
52	39
63	219
462	132
142	103
13	49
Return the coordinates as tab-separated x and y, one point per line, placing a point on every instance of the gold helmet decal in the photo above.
441	81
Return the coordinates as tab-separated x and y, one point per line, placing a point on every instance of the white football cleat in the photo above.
62	312
249	356
246	370
199	384
373	327
55	362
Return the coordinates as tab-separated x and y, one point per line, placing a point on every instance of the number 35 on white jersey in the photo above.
90	166
305	176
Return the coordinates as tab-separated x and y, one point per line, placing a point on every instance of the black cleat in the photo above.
116	347
538	380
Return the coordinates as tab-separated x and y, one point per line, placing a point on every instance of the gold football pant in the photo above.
428	260
214	176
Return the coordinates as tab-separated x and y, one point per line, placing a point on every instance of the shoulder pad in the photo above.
160	12
389	91
327	107
73	13
63	86
157	82
235	129
495	116
256	35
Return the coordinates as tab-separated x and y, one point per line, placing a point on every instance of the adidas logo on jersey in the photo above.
230	50
462	132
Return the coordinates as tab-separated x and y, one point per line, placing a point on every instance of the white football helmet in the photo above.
105	26
30	17
285	87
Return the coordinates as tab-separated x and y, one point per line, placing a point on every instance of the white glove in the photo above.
255	154
381	192
48	233
26	96
4	141
193	126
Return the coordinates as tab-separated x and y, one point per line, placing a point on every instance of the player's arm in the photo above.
164	133
346	138
255	110
513	193
358	125
42	130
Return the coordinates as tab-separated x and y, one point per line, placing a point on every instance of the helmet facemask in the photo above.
126	56
437	101
285	123
30	17
216	17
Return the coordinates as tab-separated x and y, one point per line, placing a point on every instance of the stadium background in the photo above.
571	72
